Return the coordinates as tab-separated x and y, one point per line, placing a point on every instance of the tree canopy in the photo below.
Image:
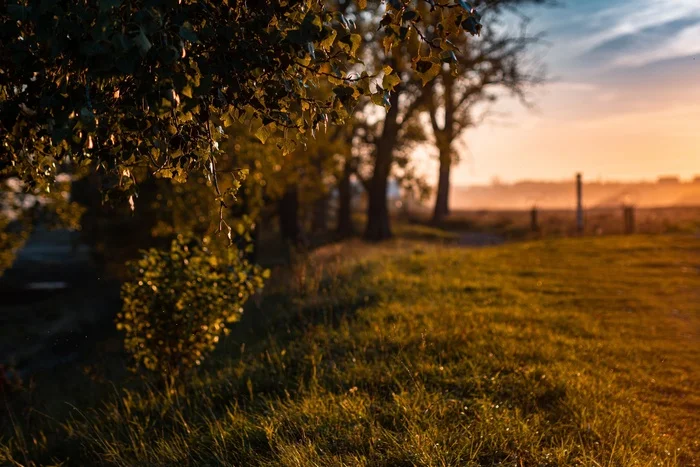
118	84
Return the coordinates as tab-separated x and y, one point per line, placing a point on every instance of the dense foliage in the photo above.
179	301
119	85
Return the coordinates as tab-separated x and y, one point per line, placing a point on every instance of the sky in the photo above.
622	101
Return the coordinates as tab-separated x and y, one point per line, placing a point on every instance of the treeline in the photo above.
431	85
157	124
289	190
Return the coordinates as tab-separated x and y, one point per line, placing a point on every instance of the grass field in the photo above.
550	353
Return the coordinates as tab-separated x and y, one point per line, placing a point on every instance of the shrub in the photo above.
10	242
179	301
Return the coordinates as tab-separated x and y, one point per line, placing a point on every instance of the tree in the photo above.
405	99
348	167
493	62
383	149
410	57
324	171
152	84
144	89
344	224
414	57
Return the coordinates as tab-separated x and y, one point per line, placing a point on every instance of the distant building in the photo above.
696	179
668	180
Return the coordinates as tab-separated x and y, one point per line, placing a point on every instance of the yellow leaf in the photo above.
328	41
427	70
262	134
355	41
334	80
388	41
390	81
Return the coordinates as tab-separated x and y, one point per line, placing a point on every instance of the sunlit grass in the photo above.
561	352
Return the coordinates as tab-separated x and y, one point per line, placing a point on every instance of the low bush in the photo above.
179	301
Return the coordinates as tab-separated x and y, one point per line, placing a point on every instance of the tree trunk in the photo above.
442	207
319	210
345	227
443	138
378	222
288	212
319	223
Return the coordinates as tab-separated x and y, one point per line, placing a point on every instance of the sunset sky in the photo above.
623	101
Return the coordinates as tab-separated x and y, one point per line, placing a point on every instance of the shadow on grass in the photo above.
251	365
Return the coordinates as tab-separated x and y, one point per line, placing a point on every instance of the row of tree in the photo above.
174	119
431	106
264	107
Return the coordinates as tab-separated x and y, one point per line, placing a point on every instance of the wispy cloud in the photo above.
683	44
637	33
622	99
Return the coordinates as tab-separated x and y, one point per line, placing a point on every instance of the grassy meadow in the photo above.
558	352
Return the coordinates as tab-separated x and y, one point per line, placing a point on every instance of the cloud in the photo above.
629	17
683	44
631	48
634	33
623	100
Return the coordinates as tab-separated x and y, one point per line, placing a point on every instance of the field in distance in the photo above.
516	224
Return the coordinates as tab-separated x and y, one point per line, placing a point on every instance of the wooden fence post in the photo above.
534	225
579	204
628	215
